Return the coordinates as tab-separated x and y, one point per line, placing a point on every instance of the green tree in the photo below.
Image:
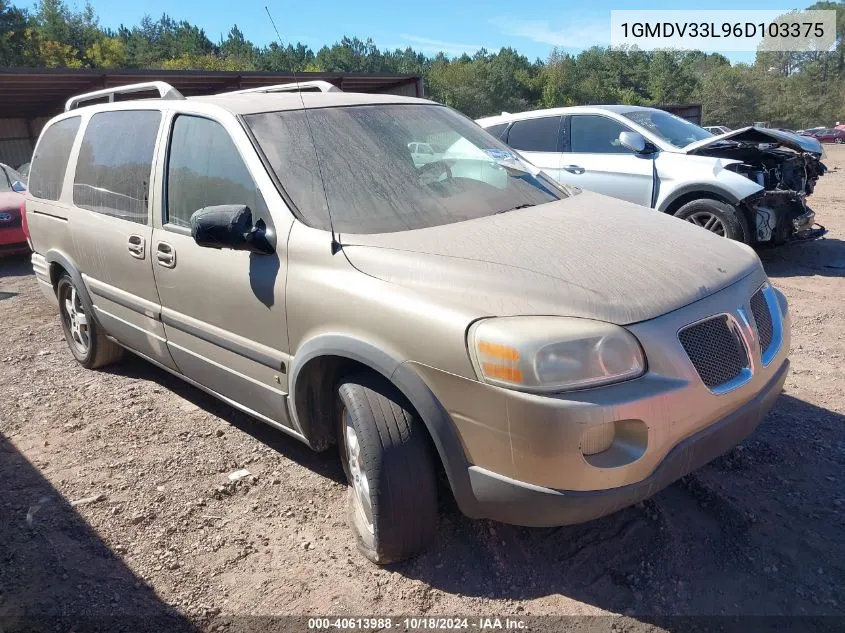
107	52
13	41
238	51
729	96
668	81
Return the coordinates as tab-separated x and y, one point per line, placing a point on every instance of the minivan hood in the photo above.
753	134
586	256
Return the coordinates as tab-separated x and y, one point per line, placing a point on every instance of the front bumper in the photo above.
41	268
523	449
509	501
13	241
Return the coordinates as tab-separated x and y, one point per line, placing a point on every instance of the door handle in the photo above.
574	169
165	255
136	246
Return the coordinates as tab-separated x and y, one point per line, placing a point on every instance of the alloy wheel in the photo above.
76	320
709	221
357	475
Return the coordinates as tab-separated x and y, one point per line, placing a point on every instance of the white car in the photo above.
717	129
749	185
421	153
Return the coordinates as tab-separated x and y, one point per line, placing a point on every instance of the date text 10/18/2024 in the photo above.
417	624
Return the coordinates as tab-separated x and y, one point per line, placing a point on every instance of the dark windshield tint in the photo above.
372	180
535	135
672	129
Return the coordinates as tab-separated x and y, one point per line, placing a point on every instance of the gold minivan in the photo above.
554	354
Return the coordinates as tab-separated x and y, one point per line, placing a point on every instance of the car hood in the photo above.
752	134
11	200
586	256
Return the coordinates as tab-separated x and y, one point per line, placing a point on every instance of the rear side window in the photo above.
205	169
115	162
535	135
47	172
496	130
591	134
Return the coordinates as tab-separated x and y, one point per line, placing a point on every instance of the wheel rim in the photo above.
709	221
76	321
358	478
839	140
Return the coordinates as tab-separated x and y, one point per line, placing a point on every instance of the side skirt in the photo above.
220	397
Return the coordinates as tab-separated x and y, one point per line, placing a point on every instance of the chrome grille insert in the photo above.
716	349
763	319
768	320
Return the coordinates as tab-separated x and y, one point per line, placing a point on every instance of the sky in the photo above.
428	26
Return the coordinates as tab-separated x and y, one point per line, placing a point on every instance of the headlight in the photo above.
545	354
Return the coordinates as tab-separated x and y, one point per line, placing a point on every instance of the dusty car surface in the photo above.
749	184
533	343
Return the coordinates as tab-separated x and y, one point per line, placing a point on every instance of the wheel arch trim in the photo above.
58	257
707	190
439	424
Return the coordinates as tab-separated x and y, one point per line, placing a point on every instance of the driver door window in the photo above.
597	160
596	135
205	169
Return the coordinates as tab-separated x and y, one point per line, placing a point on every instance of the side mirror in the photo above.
18	186
633	141
230	226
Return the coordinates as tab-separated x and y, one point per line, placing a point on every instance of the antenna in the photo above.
336	245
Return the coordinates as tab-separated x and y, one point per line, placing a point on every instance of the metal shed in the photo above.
30	96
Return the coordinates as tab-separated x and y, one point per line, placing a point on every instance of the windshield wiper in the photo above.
519	206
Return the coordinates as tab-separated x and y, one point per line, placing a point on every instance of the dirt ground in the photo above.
160	537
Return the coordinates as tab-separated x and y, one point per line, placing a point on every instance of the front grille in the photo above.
715	349
12	223
763	318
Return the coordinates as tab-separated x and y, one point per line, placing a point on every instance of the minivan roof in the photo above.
253	103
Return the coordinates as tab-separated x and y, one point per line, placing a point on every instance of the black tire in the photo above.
728	221
395	456
92	351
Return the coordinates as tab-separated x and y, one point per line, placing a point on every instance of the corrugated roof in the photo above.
35	92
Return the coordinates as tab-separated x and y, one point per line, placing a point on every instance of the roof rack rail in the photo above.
294	86
165	91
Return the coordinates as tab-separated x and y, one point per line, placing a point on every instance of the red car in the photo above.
830	135
12	206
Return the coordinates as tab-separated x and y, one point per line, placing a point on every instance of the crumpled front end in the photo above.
779	213
780	216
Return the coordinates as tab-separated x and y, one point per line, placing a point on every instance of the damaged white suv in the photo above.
749	185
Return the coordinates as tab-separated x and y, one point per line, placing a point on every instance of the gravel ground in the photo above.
114	499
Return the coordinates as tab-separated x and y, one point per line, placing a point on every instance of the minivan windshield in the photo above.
386	168
672	129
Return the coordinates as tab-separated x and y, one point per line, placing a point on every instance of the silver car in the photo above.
555	354
749	184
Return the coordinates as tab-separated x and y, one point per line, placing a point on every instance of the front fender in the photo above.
679	176
432	413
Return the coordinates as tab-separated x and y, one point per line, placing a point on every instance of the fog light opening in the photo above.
614	444
597	438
